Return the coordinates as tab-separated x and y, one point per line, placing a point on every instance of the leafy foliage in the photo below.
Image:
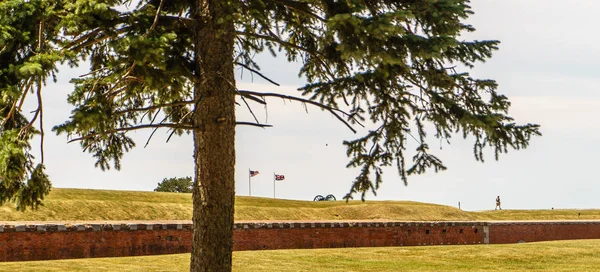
395	66
25	63
175	185
389	62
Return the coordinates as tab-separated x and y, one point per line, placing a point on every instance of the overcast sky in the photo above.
546	65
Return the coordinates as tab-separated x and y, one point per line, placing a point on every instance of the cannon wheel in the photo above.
330	198
319	198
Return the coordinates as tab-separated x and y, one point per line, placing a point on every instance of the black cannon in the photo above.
327	198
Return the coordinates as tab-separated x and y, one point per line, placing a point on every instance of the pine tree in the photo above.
397	66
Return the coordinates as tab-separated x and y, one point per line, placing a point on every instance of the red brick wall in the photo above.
515	232
47	242
332	235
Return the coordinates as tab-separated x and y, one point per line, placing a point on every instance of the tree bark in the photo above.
214	137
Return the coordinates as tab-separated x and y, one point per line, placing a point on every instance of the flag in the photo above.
279	177
253	173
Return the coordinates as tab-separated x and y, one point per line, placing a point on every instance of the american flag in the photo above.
253	173
279	177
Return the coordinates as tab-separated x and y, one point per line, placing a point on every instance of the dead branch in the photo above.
171	135
253	124
36	112
255	99
144	126
24	96
287	4
41	111
81	42
10	113
314	54
93	72
250	109
20	103
336	112
160	6
155	129
83	38
158	106
257	72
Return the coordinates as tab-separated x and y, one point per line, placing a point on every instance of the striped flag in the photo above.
253	173
279	177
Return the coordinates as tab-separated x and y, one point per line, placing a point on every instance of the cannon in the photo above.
326	198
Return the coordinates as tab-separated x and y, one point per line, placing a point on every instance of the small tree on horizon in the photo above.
175	185
397	67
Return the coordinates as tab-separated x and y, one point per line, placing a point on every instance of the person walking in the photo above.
498	203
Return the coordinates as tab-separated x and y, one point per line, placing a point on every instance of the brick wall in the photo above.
56	241
355	234
51	242
516	232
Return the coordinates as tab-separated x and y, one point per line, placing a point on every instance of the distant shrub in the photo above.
175	185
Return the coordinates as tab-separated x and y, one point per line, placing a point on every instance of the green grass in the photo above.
81	204
581	255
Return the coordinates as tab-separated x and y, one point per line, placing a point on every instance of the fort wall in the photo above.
27	242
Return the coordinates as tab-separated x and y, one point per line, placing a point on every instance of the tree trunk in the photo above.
214	137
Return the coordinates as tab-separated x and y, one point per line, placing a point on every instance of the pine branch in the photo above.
10	113
277	40
160	6
23	97
166	125
79	43
162	122
153	107
83	38
40	36
93	72
113	92
334	111
20	104
289	4
122	79
184	20
314	54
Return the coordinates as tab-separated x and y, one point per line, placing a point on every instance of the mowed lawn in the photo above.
581	255
83	204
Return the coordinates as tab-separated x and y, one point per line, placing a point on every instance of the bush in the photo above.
175	185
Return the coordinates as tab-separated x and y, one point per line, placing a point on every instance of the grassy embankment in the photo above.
79	204
72	204
582	255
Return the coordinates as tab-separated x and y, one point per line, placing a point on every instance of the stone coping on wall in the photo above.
58	226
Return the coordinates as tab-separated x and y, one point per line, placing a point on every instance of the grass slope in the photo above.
581	255
82	204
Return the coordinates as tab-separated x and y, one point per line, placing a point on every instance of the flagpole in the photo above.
273	185
249	183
